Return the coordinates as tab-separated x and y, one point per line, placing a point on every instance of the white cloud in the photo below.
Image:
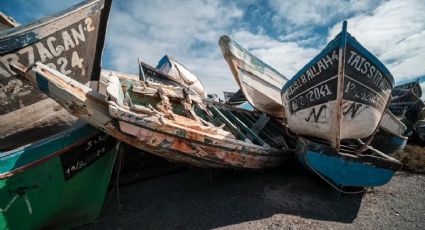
285	57
395	32
188	32
317	13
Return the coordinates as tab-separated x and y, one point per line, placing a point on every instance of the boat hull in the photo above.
70	41
58	182
198	151
260	83
341	94
387	142
342	170
164	131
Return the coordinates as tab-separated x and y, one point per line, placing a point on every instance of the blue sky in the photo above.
284	33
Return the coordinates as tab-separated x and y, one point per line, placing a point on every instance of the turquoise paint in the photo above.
42	83
20	157
344	172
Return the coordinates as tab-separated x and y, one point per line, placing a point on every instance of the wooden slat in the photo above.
250	134
229	123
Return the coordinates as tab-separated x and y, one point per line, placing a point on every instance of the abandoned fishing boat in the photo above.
260	83
54	170
70	41
181	74
412	84
341	94
347	167
168	121
406	102
58	181
392	134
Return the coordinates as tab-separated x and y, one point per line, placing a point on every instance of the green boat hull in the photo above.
59	182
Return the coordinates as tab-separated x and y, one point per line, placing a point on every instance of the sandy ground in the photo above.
284	198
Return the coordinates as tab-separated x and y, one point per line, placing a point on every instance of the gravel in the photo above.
284	198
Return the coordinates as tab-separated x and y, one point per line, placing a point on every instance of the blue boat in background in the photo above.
346	167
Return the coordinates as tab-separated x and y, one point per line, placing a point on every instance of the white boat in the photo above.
341	94
180	74
260	83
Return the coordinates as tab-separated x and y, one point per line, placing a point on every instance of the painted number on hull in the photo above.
76	160
318	92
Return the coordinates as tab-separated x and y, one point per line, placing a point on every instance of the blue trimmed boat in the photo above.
392	134
341	94
347	168
58	181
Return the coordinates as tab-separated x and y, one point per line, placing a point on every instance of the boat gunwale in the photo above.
16	31
226	42
37	144
331	45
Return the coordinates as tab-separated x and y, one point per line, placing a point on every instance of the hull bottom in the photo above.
343	173
346	170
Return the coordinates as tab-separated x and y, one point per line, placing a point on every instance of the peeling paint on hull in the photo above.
175	137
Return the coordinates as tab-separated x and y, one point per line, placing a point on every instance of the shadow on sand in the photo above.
192	200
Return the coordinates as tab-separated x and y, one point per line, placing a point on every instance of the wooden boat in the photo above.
392	134
341	94
70	41
168	121
178	73
346	167
58	181
259	82
54	172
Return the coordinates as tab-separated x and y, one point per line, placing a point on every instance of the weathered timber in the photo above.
169	133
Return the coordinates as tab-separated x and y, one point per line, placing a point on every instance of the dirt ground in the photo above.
285	198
